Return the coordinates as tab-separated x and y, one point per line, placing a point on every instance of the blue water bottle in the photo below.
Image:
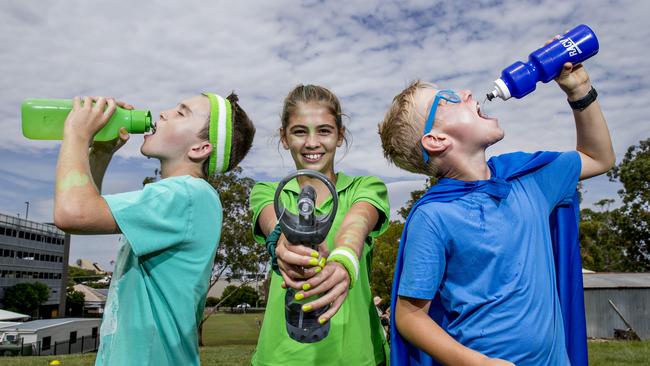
545	64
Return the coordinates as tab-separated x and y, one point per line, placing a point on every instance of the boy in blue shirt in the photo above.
171	227
475	281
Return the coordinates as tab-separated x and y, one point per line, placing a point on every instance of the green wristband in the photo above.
271	244
348	259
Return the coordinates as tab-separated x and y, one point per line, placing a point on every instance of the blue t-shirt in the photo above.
171	232
491	262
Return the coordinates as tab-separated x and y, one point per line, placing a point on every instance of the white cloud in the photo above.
154	54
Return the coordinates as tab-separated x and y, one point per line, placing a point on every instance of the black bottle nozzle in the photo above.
306	205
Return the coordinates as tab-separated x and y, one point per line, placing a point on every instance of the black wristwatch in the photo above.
585	101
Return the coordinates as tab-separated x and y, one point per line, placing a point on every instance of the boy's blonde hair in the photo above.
401	131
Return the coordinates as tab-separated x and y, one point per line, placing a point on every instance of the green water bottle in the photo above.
43	119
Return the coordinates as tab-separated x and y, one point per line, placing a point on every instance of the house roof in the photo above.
10	315
616	280
46	323
7	324
90	294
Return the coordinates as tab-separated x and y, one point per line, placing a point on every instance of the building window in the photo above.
47	342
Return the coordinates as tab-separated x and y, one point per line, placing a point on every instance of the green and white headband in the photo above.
220	133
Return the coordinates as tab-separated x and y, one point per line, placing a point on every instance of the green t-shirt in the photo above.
356	336
156	299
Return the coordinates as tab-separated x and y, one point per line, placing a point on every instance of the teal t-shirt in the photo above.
155	303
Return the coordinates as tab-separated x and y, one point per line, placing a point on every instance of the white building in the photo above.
34	252
52	336
94	299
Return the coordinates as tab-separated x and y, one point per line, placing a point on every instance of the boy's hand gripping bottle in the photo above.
306	229
545	64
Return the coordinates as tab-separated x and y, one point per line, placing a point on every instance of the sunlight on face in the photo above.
312	137
177	129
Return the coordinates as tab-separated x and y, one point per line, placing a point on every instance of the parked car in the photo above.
241	308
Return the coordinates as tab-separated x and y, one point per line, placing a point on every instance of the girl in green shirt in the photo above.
312	131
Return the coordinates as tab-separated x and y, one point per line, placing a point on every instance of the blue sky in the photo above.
155	54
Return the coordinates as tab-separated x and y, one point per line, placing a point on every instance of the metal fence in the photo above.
81	345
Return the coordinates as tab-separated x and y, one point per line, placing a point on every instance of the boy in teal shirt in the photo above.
171	227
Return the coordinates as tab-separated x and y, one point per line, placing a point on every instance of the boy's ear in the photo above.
200	151
283	139
435	143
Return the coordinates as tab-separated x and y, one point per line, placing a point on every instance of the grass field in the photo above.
230	340
619	353
224	329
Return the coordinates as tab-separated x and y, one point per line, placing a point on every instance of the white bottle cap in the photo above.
500	90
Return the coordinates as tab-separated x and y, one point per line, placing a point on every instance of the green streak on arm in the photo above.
72	180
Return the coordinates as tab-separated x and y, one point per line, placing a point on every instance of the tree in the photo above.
634	220
211	301
385	249
600	245
235	295
415	196
78	275
618	239
74	301
153	178
384	255
238	253
26	297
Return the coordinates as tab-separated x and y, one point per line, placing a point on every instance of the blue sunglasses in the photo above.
446	94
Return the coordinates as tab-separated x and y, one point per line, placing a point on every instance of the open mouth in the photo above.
153	128
480	113
312	157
